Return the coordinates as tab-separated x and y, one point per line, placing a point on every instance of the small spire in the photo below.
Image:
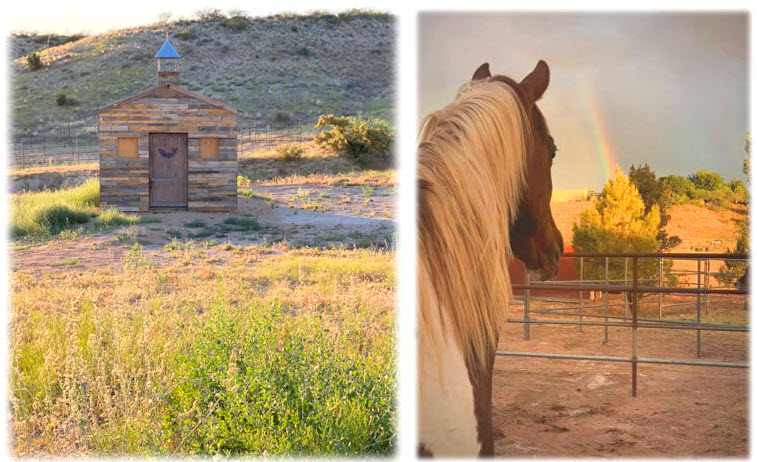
167	51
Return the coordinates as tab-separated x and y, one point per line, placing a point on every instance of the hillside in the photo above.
700	229
284	66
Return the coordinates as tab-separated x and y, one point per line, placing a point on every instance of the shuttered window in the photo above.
128	147
209	148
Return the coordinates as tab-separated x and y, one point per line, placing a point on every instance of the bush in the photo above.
287	152
236	23
282	117
706	180
60	100
208	14
186	34
304	51
34	61
681	189
358	137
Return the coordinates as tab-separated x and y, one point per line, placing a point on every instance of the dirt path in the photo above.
366	201
256	222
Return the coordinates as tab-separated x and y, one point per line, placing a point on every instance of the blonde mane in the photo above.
471	175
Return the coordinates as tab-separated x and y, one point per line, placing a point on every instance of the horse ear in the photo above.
482	72
536	83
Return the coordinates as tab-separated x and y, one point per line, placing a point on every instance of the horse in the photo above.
484	190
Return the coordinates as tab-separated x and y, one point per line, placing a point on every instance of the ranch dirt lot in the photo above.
277	221
567	408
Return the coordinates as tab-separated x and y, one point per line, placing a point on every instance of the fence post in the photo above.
634	324
606	296
699	307
581	294
625	283
526	308
268	136
659	297
299	131
707	286
23	155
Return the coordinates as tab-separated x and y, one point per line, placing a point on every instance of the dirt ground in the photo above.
277	221
568	408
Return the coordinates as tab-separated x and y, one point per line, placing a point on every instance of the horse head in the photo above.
534	237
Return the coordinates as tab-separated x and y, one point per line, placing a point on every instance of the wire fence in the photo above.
266	137
600	311
74	145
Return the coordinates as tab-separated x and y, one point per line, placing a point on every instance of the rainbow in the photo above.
607	159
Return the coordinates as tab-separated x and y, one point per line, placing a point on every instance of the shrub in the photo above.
73	38
243	181
34	61
304	51
60	100
236	23
186	34
358	137
208	14
282	117
287	152
706	179
740	191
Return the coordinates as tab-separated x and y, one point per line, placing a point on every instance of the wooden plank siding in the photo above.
125	182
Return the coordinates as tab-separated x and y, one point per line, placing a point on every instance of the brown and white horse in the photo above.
484	192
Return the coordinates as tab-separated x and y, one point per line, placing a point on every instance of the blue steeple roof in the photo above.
167	51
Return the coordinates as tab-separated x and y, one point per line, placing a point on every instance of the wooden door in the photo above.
168	170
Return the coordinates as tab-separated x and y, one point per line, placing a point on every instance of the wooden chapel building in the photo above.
168	148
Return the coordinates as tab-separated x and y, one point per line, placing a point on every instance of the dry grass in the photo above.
284	351
316	166
63	168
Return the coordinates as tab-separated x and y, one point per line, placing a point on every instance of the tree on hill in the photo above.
647	184
707	180
746	167
34	62
733	269
616	222
654	192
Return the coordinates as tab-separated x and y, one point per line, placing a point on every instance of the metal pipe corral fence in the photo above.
631	295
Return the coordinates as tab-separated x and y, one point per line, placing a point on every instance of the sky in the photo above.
98	16
670	90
